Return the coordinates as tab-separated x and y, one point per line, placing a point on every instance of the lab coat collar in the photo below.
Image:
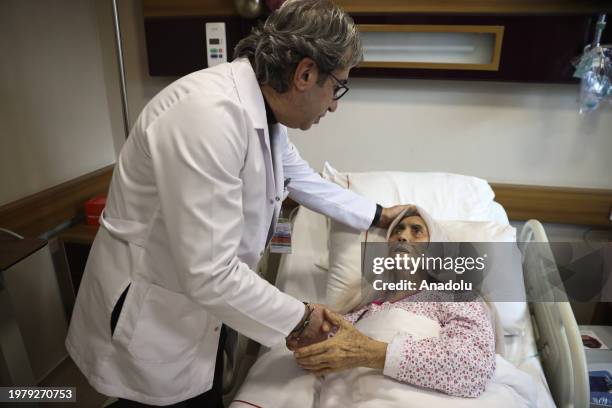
249	92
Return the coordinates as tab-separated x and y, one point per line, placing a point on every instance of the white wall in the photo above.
54	118
55	125
504	132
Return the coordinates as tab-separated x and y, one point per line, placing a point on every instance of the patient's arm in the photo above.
459	362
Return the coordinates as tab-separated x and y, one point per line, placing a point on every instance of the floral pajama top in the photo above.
459	362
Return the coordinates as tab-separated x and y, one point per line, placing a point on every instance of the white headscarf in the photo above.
436	233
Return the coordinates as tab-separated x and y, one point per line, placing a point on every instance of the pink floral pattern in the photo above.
459	362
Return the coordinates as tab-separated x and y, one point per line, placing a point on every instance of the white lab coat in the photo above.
194	192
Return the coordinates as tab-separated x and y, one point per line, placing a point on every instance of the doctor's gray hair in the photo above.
317	29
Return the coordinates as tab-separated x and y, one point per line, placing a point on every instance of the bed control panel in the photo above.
216	50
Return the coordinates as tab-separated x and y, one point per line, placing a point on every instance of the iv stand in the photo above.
124	100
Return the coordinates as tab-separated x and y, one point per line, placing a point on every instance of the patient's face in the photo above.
410	229
409	236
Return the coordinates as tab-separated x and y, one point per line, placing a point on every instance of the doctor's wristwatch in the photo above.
299	329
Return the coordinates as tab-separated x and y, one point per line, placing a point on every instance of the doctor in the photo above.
193	201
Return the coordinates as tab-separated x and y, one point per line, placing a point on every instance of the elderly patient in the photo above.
459	361
395	349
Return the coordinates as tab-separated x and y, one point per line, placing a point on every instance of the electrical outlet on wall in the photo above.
216	45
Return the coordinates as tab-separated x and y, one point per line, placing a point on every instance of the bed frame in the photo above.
555	329
556	332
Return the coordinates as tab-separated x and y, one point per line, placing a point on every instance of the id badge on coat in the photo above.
281	239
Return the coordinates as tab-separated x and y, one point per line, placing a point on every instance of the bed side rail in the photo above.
556	331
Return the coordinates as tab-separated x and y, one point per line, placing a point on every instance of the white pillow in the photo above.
445	196
504	282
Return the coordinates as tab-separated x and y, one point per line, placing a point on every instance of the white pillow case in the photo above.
446	196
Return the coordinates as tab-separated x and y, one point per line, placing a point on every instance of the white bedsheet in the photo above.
276	381
299	276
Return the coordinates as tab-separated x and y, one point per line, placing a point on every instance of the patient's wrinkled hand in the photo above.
390	213
349	348
317	330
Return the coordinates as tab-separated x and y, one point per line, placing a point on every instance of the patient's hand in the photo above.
317	330
349	348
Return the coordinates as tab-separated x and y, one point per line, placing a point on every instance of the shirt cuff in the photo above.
395	355
377	215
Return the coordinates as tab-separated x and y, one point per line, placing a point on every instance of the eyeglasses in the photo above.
341	89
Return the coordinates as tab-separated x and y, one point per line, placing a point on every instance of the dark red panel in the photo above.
176	45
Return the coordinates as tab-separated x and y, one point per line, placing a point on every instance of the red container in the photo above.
93	209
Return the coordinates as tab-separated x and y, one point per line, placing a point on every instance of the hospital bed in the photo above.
549	348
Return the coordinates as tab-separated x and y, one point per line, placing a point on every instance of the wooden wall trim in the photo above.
555	204
474	6
225	8
43	211
564	205
176	8
38	213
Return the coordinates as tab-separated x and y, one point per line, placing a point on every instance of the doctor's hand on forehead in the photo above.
390	213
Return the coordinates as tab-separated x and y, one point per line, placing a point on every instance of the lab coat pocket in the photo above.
169	327
127	317
118	308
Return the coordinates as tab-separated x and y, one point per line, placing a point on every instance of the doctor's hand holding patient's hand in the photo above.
349	348
313	328
390	213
